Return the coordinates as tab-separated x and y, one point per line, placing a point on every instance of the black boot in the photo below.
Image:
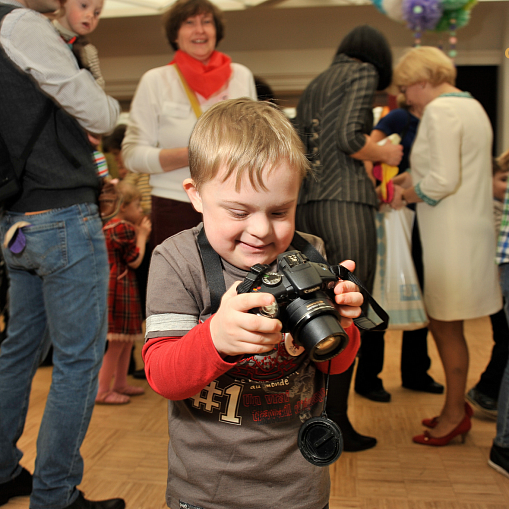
82	503
20	486
337	406
353	441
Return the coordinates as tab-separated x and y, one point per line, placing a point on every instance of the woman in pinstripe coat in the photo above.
338	202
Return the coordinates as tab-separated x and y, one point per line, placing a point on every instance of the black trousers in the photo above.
349	232
490	380
415	360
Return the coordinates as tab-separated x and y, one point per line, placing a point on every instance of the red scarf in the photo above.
204	79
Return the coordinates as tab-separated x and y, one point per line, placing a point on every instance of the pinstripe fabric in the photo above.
348	230
332	117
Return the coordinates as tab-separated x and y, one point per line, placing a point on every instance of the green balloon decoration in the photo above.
453	5
453	20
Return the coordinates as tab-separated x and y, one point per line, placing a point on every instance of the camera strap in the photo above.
213	271
363	322
217	287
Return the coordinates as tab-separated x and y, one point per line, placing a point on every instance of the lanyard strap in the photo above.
190	94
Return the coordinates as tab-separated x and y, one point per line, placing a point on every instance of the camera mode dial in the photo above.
271	278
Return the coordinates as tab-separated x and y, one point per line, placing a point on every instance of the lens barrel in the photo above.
314	324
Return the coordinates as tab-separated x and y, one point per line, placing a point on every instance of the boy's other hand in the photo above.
348	298
235	331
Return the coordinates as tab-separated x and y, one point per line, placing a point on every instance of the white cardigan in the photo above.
161	117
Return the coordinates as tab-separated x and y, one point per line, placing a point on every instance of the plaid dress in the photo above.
124	310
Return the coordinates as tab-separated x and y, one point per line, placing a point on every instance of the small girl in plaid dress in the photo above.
126	248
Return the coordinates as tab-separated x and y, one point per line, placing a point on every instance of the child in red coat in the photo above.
126	247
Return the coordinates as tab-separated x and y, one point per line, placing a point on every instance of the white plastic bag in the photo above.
396	286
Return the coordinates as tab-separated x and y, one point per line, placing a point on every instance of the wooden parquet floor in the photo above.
125	448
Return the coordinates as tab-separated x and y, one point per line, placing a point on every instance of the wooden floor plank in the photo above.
125	448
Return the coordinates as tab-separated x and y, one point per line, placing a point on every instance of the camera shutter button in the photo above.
270	311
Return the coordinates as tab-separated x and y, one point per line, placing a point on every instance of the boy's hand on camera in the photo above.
348	298
235	331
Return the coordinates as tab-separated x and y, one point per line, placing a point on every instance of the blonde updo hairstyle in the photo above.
427	64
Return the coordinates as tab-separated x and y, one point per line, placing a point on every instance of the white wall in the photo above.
288	47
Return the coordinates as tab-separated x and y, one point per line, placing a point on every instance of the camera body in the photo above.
304	294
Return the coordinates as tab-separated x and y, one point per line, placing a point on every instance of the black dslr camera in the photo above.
304	293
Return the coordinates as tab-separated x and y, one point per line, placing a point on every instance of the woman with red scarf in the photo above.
166	106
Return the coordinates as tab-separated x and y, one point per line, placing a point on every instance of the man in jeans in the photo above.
499	454
56	259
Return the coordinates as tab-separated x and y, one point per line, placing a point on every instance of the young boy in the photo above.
237	396
74	21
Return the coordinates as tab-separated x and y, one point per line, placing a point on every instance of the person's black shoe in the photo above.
499	459
353	441
482	402
357	442
20	486
82	503
431	387
379	395
140	374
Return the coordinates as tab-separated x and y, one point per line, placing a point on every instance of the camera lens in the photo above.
327	345
314	324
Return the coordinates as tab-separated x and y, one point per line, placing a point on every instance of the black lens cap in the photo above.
320	441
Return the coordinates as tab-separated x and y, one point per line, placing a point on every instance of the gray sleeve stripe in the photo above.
170	322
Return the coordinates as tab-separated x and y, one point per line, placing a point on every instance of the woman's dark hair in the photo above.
114	140
369	45
263	91
184	9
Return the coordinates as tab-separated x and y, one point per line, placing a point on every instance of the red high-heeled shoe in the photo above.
460	430
431	423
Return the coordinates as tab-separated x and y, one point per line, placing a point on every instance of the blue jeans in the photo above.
60	282
502	438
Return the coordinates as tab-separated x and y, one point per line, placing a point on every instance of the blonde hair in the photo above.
127	192
424	64
503	161
401	102
246	137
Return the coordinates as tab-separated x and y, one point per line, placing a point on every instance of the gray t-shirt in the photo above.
233	445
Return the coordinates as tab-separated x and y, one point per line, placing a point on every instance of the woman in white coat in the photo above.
452	185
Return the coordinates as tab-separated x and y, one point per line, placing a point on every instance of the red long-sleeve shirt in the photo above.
179	367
